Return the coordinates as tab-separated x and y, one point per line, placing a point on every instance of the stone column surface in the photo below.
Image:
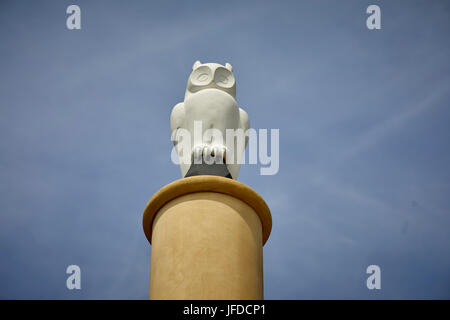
207	234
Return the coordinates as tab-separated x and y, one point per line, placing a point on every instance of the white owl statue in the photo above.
203	125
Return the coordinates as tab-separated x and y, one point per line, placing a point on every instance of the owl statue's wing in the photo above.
177	118
178	121
244	123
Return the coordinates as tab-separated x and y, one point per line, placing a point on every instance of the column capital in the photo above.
206	183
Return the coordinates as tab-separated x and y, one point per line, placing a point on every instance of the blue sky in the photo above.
364	140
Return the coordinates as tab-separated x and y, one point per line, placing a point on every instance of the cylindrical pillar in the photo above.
207	234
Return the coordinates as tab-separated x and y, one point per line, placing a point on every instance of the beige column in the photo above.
207	234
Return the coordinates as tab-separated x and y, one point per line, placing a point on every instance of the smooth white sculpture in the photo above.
210	101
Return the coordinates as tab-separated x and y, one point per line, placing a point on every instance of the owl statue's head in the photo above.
211	76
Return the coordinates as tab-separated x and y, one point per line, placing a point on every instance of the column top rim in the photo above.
206	183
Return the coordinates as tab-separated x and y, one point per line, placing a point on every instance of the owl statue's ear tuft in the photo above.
229	67
196	65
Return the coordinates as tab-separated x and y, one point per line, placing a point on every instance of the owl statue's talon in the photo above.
197	154
220	153
208	154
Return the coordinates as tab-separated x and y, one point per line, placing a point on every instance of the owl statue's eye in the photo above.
223	78
202	76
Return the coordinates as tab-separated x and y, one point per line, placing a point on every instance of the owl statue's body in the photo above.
210	100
